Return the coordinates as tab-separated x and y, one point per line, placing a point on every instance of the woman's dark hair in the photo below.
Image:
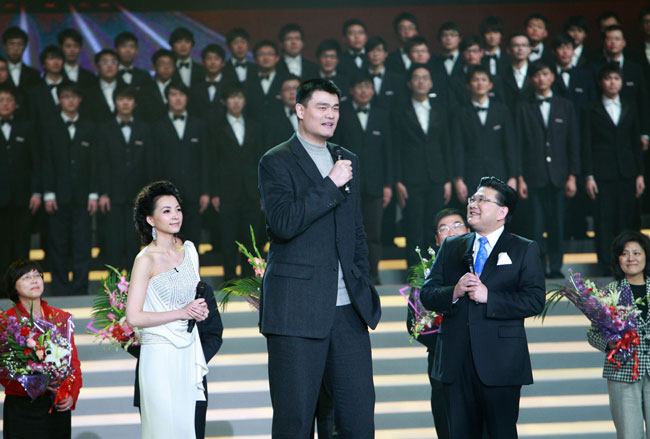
619	245
145	203
506	195
16	270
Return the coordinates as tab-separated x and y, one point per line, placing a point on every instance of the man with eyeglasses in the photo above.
486	283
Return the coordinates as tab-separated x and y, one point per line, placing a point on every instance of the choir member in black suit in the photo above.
236	198
449	37
422	160
280	125
573	83
238	65
419	52
641	54
189	71
353	57
70	191
20	178
14	41
495	59
536	27
612	160
364	129
292	42
577	27
126	47
183	156
484	137
125	154
607	19
550	160
21	112
152	96
405	26
99	104
42	97
328	54
263	87
205	100
388	85
70	41
515	76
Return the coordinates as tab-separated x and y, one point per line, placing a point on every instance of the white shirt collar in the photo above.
607	101
550	95
48	81
217	79
66	118
486	105
12	66
621	60
424	104
171	116
492	237
105	85
233	120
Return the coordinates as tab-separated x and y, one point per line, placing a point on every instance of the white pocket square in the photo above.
504	259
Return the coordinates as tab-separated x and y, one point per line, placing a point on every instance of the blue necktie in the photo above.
481	256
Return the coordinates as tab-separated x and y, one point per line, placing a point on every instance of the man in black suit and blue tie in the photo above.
486	283
317	300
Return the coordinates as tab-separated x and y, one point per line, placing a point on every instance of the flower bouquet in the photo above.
611	311
250	287
37	353
424	321
108	321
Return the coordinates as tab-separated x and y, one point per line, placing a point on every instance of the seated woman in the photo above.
24	418
629	406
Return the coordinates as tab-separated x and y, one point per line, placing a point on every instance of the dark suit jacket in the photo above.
638	55
457	71
481	150
395	63
277	129
70	166
460	95
373	147
422	159
511	92
393	87
200	103
347	65
139	77
581	90
309	68
305	211
198	73
230	72
29	77
560	141
150	104
95	105
85	78
502	63
41	105
124	168
547	54
611	152
258	103
494	330
20	165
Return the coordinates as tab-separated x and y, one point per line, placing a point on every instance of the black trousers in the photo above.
191	227
438	404
421	207
68	235
298	366
236	217
121	241
17	221
471	404
27	419
371	211
548	209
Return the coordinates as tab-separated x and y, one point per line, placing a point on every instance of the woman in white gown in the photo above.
160	303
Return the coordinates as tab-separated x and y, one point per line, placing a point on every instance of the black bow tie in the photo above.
535	51
567	71
616	63
124	71
178	117
376	75
494	57
6	122
70	123
184	64
480	109
213	83
292	111
264	76
240	64
362	110
51	86
540	101
126	124
448	58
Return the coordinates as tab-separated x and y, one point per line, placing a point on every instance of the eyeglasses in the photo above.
478	199
455	226
29	277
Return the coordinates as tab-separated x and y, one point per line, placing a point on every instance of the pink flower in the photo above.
120	306
31	343
123	285
111	316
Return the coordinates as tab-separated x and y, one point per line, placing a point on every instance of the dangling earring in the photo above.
153	234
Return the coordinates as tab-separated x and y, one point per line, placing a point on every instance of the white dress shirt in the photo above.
423	112
405	58
535	56
293	118
545	107
126	130
53	90
185	72
620	60
566	76
14	71
72	72
493	62
482	115
294	64
492	241
363	116
238	127
127	77
520	75
240	70
647	51
107	91
179	124
450	63
613	108
358	57
161	88
377	81
576	55
6	128
266	82
212	88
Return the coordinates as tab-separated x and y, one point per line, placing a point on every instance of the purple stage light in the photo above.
85	30
144	27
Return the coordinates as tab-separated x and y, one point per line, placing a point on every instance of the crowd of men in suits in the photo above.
564	126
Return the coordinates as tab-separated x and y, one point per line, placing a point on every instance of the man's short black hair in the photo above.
237	32
448	25
608	69
613	28
213	48
326	45
506	195
536	16
473	70
68	86
414	67
125	91
405	16
361	77
308	87
288	28
537	66
618	245
518	34
123	38
177	85
101	53
415	41
70	33
561	40
352	22
643	13
13	33
579	21
374	42
449	211
50	51
491	23
290	77
231	89
266	43
9	88
608	14
181	33
162	53
469	41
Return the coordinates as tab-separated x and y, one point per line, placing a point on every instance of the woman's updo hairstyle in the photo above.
145	203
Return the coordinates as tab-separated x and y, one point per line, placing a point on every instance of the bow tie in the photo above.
540	101
567	71
213	83
5	122
264	76
126	124
125	71
180	117
51	86
240	64
616	63
448	58
184	64
70	123
363	110
480	109
494	57
292	111
534	51
376	75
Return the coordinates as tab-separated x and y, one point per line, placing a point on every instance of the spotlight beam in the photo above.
85	30
162	42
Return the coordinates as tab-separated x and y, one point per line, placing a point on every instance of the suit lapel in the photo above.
410	113
304	160
501	246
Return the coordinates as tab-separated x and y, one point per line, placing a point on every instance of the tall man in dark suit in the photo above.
152	97
187	70
70	191
126	47
365	129
316	306
353	59
70	41
482	354
263	87
23	77
292	62
20	178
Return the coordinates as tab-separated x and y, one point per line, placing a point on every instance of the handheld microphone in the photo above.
469	260
338	154
200	294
